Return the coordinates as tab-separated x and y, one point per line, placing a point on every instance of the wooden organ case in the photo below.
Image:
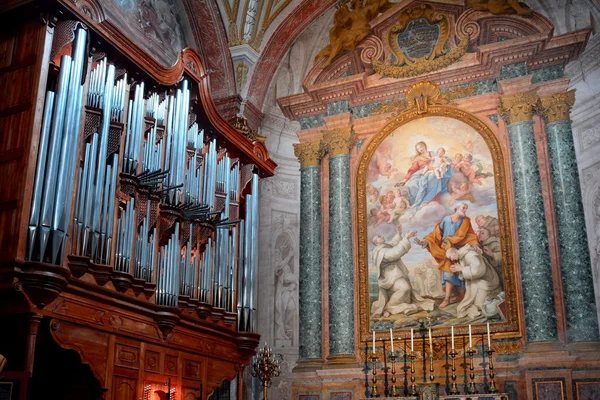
128	216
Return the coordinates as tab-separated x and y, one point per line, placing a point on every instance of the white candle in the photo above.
373	342
430	342
489	336
470	338
392	339
412	340
452	337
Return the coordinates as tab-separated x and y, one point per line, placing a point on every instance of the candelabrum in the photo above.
394	391
453	387
413	386
265	367
374	392
493	388
472	389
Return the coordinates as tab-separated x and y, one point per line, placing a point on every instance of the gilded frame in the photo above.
512	327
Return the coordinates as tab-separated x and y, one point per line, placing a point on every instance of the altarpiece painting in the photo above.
434	226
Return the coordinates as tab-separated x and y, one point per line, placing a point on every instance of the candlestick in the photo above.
412	340
493	388
453	387
431	376
373	342
374	392
430	342
472	389
392	339
394	391
489	336
470	338
452	337
413	386
265	368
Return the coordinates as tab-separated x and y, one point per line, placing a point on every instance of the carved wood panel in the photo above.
127	356
123	388
152	361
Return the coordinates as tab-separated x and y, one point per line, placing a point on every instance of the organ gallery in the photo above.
299	200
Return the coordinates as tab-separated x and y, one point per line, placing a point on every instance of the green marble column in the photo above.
534	253
341	267
577	280
309	300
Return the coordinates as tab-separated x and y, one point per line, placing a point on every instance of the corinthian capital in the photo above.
557	107
339	141
518	107
309	153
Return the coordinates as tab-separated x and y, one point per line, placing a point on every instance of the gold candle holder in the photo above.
374	392
472	388
453	387
265	368
431	376
493	388
394	391
413	386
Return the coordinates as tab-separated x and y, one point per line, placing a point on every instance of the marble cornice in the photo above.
557	107
538	50
518	107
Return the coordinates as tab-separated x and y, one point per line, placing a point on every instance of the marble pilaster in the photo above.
341	265
534	256
575	265
310	154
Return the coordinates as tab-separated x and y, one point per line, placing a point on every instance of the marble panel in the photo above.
312	121
359	144
493	118
366	110
544	389
536	270
310	262
511	388
340	395
587	389
341	269
337	107
309	397
578	286
547	73
513	70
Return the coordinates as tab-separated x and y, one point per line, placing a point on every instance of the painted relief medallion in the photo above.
434	238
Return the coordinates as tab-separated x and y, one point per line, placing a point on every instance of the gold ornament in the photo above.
339	141
518	107
309	153
350	26
500	6
423	94
557	107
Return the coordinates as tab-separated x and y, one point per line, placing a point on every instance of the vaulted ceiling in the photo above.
244	41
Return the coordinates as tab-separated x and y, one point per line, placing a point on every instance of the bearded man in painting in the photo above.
396	294
452	231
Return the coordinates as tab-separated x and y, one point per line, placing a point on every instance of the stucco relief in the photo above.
589	137
285	189
284	265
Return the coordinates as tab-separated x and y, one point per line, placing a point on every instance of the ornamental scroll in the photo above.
420	43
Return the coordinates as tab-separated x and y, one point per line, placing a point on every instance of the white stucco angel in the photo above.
396	294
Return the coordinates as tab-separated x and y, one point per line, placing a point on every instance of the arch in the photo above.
512	323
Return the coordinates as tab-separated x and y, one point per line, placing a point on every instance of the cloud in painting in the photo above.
425	218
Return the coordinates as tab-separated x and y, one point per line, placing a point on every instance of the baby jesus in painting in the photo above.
439	163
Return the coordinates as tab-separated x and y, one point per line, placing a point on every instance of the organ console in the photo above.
129	223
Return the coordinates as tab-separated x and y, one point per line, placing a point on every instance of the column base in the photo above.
308	364
341	361
584	347
544	347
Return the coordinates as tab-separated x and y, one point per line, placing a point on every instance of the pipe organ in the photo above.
144	205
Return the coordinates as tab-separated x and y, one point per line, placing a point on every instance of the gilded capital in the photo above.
557	107
518	107
309	153
339	141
